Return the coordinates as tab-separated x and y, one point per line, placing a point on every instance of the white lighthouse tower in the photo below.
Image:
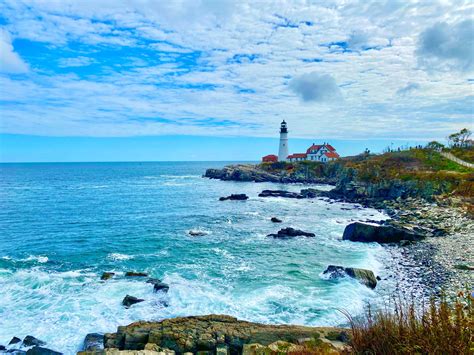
283	151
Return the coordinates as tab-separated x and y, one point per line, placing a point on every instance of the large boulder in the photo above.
364	276
38	350
107	275
32	341
365	232
129	301
242	172
235	197
93	341
290	233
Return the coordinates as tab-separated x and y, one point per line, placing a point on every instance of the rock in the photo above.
197	233
128	301
16	352
378	278
2	347
15	340
276	220
364	276
222	350
153	281
107	275
93	341
464	267
290	233
161	287
279	193
253	349
363	232
136	274
32	341
205	333
235	197
38	350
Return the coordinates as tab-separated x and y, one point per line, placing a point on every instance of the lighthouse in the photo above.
283	151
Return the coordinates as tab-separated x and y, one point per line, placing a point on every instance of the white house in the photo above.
317	152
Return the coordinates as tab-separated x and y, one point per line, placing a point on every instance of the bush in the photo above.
441	328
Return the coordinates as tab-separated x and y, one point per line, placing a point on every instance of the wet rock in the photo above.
464	267
290	233
208	333
161	287
107	275
14	340
197	233
2	347
364	276
128	301
279	193
32	341
38	350
136	274
363	232
276	220
235	197
93	341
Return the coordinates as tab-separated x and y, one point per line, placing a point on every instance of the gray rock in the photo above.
15	340
38	350
93	341
363	232
279	193
364	276
32	341
235	197
107	275
128	301
135	274
276	220
161	287
290	233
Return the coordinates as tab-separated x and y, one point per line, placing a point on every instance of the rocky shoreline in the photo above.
441	261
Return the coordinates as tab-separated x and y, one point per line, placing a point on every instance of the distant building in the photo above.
317	152
271	158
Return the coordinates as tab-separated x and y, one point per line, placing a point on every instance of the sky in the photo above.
212	79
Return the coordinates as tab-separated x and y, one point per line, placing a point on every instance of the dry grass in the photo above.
440	328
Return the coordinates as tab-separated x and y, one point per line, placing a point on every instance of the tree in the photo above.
464	135
434	145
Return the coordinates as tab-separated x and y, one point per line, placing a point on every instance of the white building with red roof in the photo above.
317	152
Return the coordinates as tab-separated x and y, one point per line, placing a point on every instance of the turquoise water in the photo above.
62	225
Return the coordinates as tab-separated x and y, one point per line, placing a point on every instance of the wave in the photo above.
119	256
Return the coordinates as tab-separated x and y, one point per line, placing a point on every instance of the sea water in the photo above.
63	225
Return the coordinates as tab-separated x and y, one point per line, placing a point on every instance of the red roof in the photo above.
297	155
331	155
270	158
330	147
313	147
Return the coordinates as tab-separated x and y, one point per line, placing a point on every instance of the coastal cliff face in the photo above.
222	334
417	173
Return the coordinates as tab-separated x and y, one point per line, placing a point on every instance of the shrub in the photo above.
441	328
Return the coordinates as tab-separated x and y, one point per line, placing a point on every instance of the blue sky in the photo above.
212	80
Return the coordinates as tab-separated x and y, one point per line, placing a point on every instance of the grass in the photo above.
441	328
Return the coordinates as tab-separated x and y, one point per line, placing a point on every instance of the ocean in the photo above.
62	225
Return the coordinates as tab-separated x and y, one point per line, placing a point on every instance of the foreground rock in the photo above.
235	197
38	350
93	341
107	275
364	232
212	333
129	301
32	341
290	233
364	276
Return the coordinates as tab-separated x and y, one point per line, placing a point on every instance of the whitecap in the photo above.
38	258
118	256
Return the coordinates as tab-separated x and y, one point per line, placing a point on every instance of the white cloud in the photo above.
10	61
408	89
226	68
